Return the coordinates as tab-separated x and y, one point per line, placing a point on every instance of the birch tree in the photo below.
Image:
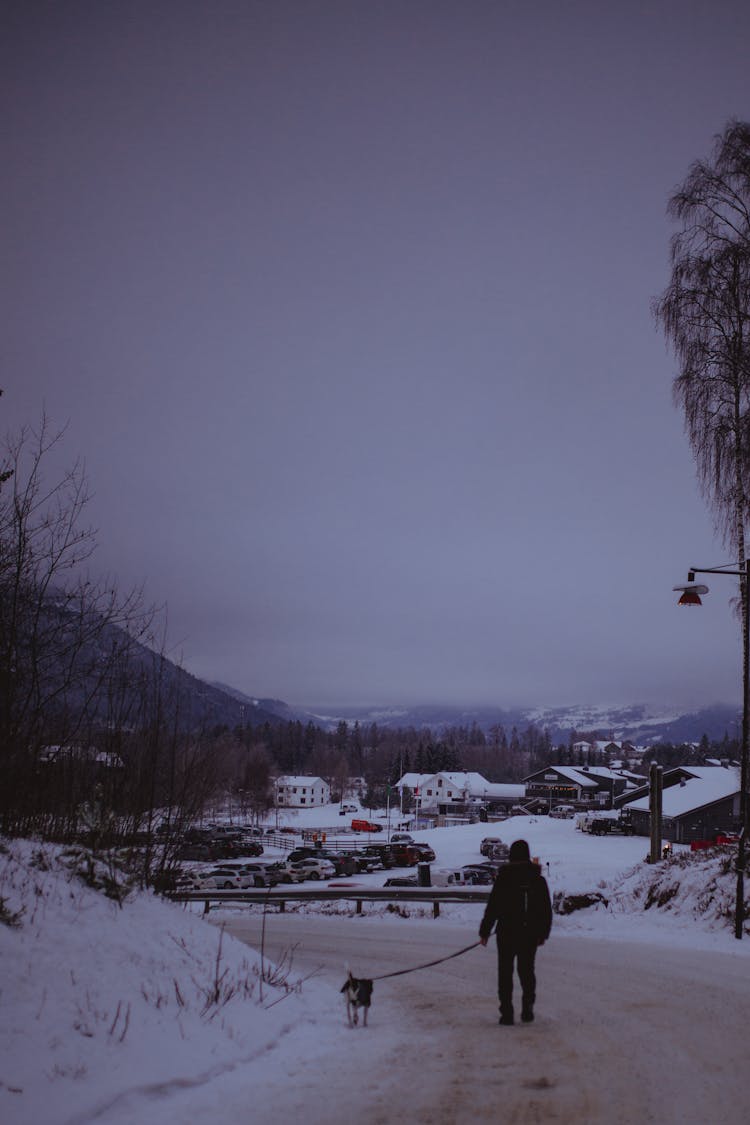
705	315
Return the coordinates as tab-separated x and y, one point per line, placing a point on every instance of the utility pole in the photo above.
654	807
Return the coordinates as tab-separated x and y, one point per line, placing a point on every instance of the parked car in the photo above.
402	881
450	877
346	863
200	852
303	853
315	868
426	853
405	855
479	874
380	852
563	812
366	826
264	874
347	810
402	838
224	831
375	859
222	879
289	872
488	843
250	874
222	847
605	826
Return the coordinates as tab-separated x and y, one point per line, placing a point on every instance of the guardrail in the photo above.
279	896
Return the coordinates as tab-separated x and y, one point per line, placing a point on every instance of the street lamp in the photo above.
691	595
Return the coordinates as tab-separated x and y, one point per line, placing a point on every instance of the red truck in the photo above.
714	841
366	826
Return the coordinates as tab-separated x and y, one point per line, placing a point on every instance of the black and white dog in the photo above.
358	992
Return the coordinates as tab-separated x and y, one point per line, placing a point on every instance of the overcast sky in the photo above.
347	308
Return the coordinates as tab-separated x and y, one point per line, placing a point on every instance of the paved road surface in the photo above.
625	1033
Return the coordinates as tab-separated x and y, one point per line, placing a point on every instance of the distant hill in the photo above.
86	669
638	723
257	711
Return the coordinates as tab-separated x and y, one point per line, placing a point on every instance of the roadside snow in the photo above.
99	999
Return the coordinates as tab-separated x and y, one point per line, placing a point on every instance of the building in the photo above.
445	792
302	792
597	786
698	802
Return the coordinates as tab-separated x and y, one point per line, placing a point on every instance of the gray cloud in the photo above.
348	308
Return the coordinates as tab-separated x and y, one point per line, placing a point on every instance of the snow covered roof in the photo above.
412	780
289	780
707	786
474	784
602	771
459	780
579	776
465	780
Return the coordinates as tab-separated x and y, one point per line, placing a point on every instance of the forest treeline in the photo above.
249	757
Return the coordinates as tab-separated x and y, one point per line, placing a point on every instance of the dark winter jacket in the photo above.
520	904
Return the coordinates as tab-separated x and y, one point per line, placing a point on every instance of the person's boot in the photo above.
506	1017
527	1012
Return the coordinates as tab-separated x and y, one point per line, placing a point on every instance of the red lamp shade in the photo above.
689	597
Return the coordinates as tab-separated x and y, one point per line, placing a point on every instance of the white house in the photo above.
302	792
434	790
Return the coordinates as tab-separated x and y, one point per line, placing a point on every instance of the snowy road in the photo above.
625	1032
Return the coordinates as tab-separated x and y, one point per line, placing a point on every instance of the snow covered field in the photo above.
147	1013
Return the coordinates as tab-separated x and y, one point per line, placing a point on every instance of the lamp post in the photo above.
691	595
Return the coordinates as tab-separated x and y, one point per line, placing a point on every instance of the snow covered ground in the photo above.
148	1013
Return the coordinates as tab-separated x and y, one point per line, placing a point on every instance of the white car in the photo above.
314	868
402	838
238	876
289	871
563	812
221	879
255	874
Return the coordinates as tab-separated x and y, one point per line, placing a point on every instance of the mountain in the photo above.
256	711
74	662
638	723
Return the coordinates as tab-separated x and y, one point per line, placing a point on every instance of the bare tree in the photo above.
5	473
60	632
705	314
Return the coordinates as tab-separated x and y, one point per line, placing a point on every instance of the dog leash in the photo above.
428	964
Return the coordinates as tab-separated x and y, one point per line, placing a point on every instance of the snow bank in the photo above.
99	998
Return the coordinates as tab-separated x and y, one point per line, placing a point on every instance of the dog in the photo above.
358	992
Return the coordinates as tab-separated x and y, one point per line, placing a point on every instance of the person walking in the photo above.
520	904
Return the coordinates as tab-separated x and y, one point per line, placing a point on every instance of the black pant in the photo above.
512	948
